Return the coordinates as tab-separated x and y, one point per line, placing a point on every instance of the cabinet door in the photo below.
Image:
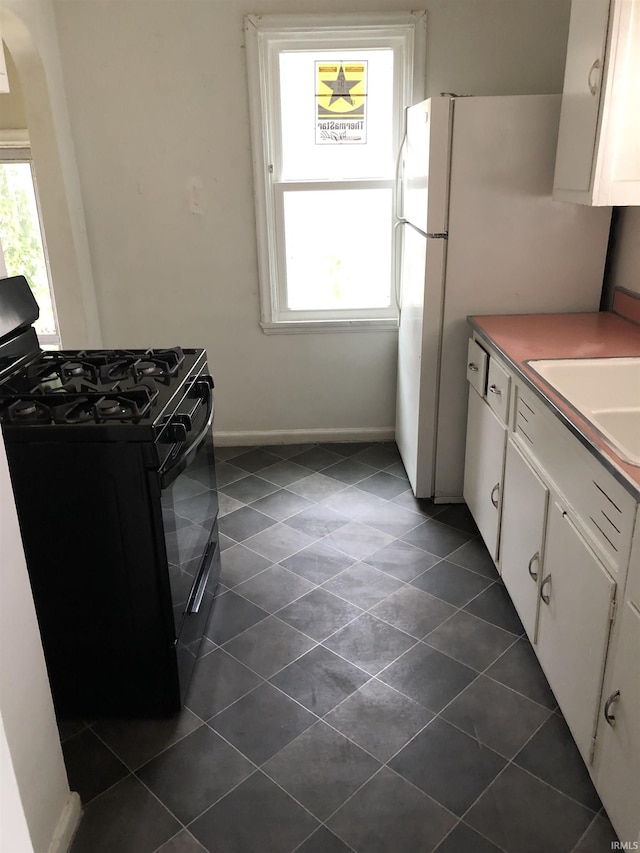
597	156
618	773
574	621
483	467
581	94
524	510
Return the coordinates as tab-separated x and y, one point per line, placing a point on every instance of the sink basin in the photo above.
606	391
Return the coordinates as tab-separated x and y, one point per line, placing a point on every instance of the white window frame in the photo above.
15	147
266	35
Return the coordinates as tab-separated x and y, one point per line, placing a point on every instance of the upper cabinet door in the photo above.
598	155
581	94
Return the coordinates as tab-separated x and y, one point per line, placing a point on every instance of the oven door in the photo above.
189	513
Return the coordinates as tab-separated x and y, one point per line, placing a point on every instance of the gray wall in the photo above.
624	270
157	94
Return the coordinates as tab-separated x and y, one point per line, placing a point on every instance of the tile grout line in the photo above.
596	816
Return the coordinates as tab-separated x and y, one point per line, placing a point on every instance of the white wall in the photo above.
12	112
157	93
37	805
14	831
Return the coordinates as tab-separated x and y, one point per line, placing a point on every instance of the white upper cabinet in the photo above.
598	155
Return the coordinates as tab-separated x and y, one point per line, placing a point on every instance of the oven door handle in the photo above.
201	584
177	464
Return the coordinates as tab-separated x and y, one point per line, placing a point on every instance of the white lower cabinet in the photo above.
524	512
565	536
484	463
574	622
618	760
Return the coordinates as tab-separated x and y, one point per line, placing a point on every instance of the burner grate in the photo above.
128	406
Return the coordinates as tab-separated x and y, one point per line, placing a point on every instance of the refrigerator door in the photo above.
511	248
423	269
425	195
425	178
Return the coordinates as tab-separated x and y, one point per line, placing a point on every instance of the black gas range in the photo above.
110	454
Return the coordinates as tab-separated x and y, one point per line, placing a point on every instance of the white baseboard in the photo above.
300	436
67	824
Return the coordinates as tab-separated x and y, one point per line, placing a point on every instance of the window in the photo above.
327	110
21	239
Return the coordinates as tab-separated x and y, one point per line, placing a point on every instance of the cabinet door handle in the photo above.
494	491
609	717
593	87
545	598
473	367
534	575
495	390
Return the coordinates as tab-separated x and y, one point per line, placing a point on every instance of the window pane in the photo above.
338	249
21	238
323	81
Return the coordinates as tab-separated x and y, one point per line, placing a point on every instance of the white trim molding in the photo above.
266	37
251	438
67	824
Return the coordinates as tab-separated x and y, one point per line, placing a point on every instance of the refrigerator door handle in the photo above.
399	185
397	267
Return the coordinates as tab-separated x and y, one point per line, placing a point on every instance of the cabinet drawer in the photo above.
477	361
603	506
498	387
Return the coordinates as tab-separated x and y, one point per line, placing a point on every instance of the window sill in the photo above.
296	327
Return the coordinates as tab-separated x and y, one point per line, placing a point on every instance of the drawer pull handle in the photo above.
609	717
495	390
545	598
593	87
534	575
473	367
495	491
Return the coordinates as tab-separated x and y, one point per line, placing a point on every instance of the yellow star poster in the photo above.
341	97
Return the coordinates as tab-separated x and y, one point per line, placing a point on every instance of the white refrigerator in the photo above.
480	235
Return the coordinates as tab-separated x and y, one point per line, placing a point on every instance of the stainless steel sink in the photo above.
606	391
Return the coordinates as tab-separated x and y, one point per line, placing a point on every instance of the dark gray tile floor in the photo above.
365	686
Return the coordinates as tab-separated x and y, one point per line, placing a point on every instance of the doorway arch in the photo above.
28	32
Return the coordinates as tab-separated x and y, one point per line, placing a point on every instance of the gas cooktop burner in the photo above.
108	408
72	368
28	411
24	408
